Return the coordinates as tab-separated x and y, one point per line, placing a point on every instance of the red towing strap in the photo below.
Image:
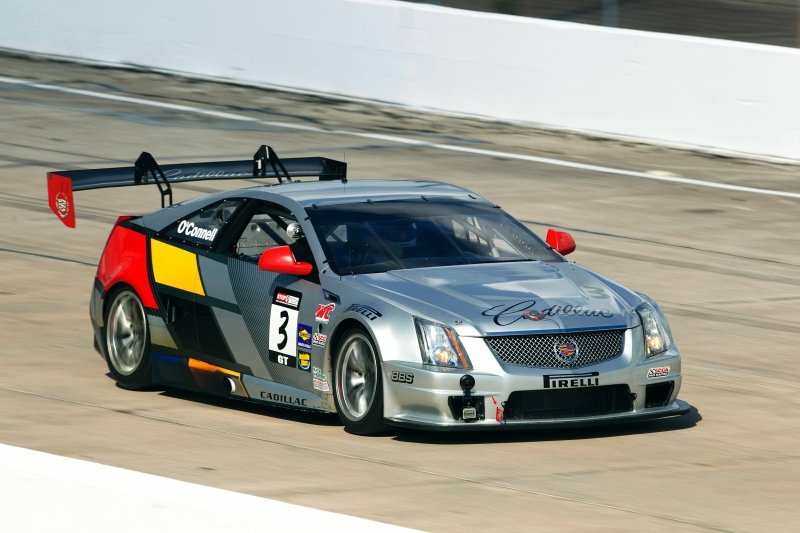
59	195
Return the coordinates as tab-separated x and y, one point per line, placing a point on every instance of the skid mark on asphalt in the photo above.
730	318
747	382
40	206
47	256
483	483
696	267
397	139
658	243
754	300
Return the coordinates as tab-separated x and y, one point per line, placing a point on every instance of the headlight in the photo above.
439	345
656	336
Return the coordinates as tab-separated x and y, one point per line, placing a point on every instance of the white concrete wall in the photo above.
44	492
700	92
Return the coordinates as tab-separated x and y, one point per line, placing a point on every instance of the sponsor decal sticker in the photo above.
191	230
319	339
366	311
283	327
320	381
284	297
571	381
402	377
283	398
657	372
304	361
323	313
304	336
285	360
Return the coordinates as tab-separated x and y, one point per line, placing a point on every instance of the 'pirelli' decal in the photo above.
570	381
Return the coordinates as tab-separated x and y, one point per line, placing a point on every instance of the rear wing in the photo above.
146	171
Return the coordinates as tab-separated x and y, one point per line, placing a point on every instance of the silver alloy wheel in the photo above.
357	377
125	333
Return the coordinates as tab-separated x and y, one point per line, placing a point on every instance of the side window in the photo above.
265	229
204	226
337	236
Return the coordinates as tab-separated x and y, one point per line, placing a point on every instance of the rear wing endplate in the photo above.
147	171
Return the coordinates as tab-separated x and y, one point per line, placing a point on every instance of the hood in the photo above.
507	298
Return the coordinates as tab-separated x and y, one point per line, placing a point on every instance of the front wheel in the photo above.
358	384
127	340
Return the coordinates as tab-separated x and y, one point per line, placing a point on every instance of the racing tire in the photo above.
127	340
358	384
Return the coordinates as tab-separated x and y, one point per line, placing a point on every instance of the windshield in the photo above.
368	237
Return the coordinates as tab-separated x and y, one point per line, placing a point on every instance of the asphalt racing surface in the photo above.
716	241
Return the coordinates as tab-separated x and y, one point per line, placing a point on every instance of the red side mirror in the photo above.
281	261
560	241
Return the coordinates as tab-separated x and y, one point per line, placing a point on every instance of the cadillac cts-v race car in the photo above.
408	303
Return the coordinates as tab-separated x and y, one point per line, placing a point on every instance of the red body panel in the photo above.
125	261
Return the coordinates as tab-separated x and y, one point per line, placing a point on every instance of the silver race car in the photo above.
408	303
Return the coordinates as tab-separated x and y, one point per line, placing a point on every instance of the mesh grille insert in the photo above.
560	350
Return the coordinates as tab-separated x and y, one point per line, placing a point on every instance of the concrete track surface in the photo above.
724	264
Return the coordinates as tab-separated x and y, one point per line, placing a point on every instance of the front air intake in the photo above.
658	394
568	403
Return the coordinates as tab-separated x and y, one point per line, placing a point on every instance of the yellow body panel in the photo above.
175	267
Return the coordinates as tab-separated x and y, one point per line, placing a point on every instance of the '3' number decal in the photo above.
282	330
282	335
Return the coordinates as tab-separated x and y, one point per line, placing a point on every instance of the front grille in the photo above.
541	351
568	403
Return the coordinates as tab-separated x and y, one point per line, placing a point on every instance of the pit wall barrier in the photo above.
687	91
45	492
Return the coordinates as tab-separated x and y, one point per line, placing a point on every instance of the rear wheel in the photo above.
358	386
127	340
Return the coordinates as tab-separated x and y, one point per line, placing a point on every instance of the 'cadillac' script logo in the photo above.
566	350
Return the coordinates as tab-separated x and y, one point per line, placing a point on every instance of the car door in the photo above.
176	256
270	325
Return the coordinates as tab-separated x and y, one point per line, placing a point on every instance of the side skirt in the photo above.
195	375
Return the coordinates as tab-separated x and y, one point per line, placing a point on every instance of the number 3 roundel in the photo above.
283	327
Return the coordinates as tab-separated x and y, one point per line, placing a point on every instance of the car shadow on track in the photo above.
620	429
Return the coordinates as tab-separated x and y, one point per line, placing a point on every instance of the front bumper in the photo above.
428	398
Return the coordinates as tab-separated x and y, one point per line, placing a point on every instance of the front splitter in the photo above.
677	408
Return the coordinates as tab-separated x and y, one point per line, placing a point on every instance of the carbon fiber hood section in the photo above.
507	298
